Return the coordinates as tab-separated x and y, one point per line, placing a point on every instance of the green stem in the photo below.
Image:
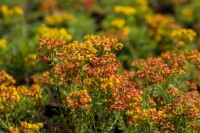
152	91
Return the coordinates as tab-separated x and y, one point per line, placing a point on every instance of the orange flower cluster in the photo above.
93	57
105	65
163	114
48	45
191	85
34	91
41	78
193	57
123	93
156	70
78	99
188	104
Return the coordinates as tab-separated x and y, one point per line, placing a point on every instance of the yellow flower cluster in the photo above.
126	10
78	99
159	25
74	47
183	36
6	12
107	83
45	31
139	115
34	91
106	43
158	20
30	59
27	127
8	97
3	43
6	79
58	18
118	23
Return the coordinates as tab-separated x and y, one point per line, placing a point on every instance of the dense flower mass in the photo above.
123	93
78	99
157	70
91	56
8	97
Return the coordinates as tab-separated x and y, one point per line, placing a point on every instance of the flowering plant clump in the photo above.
90	66
86	78
11	100
158	70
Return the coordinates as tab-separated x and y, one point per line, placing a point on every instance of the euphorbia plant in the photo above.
93	96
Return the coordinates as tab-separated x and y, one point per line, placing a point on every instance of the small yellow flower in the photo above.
126	10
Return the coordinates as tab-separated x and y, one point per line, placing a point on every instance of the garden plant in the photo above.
89	66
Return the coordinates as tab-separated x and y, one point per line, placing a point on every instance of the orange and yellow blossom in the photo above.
78	99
